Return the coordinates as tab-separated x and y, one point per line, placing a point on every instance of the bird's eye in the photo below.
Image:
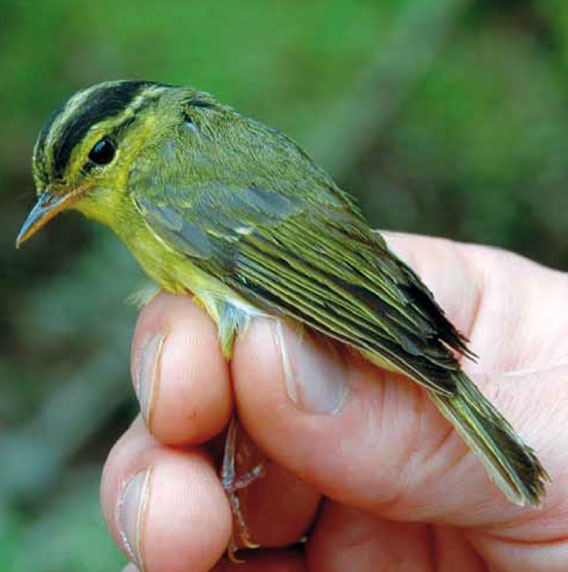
103	152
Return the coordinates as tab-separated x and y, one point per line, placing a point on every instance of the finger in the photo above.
180	376
166	509
278	508
282	561
363	436
278	561
191	401
344	535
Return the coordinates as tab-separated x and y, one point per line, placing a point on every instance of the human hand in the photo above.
397	488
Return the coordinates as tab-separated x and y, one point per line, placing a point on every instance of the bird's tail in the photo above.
510	463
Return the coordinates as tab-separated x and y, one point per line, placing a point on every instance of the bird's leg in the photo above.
232	484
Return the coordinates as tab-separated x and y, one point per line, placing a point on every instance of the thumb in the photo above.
373	439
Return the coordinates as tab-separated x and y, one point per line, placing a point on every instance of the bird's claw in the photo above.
232	484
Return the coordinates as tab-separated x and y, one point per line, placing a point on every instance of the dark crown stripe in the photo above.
102	104
40	158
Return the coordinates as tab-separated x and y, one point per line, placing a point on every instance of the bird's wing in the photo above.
317	263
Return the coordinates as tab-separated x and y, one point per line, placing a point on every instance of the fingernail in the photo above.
131	513
315	373
148	374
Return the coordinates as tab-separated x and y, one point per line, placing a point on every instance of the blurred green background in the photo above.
445	117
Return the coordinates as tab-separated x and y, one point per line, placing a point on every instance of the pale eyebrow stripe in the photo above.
72	122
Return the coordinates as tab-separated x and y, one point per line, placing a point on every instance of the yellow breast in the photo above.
177	273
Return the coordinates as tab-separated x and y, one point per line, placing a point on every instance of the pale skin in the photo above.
386	483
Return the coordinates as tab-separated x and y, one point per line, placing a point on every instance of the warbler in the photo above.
217	204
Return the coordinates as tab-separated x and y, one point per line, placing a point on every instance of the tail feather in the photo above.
510	463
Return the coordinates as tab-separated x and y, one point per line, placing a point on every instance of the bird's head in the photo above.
83	155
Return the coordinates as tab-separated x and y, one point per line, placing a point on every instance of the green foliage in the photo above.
69	535
444	117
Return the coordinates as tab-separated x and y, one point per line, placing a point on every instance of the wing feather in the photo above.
317	263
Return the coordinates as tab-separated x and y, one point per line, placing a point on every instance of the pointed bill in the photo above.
48	205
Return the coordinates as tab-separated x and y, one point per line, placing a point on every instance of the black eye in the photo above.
103	152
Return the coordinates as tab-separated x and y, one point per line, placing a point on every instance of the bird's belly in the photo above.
177	273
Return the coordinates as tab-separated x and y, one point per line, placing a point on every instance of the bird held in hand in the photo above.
215	203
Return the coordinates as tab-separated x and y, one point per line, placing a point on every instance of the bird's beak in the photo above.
48	205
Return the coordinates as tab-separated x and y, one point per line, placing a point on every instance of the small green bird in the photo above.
215	203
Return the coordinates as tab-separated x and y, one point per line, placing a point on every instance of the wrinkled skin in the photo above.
397	489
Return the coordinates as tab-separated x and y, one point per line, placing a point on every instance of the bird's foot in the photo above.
232	485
